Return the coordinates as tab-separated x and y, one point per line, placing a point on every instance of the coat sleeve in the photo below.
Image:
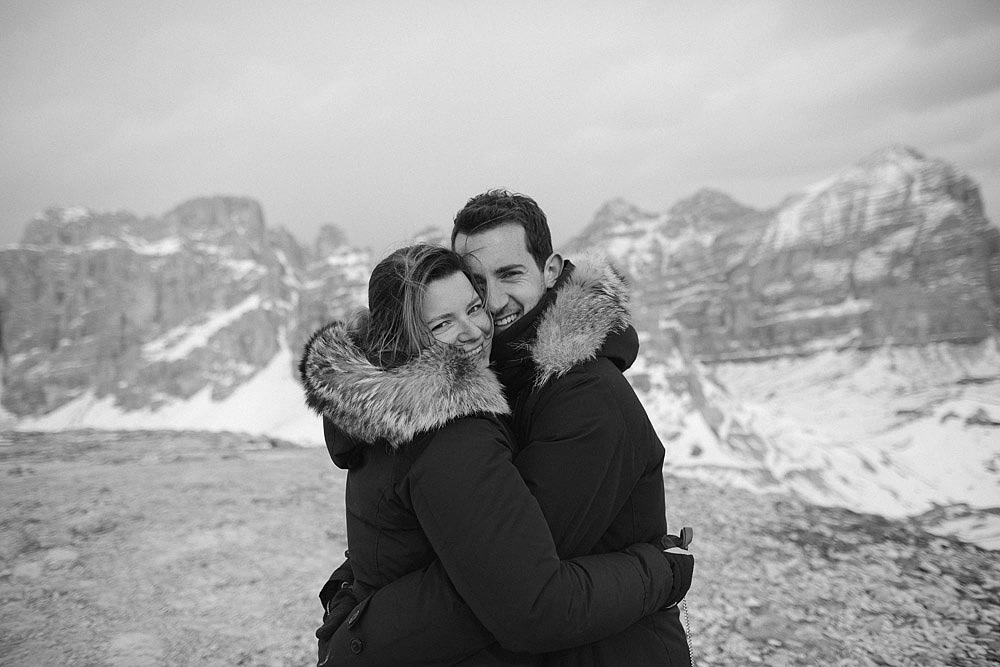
576	458
494	544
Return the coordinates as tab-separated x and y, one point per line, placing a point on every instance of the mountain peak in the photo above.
330	240
613	213
710	205
76	225
707	197
433	234
619	208
235	222
202	213
893	153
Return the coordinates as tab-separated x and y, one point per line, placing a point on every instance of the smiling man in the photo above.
502	260
586	449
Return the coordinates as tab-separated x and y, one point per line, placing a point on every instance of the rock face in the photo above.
152	309
148	310
895	249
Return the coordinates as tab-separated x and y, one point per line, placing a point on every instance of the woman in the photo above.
414	414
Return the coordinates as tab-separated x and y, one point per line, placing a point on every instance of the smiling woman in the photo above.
454	313
433	494
424	294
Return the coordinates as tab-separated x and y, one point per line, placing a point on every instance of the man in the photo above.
586	448
589	454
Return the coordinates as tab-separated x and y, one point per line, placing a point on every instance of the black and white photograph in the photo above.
519	333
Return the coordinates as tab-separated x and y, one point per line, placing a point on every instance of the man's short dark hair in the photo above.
496	207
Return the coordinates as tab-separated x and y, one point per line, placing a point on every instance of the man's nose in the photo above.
496	299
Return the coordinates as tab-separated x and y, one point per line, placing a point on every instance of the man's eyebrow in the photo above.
508	267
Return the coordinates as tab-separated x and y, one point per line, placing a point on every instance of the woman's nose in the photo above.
469	330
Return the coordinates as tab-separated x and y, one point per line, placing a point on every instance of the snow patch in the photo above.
167	246
847	307
270	403
895	431
182	340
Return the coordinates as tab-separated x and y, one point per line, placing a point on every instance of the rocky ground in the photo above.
149	549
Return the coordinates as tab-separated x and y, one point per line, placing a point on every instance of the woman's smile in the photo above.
455	314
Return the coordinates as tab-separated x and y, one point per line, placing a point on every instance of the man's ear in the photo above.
552	269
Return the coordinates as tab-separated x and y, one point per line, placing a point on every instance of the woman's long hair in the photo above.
395	331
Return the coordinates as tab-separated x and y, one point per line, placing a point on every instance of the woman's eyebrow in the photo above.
441	316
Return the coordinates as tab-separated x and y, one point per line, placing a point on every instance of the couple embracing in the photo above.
505	499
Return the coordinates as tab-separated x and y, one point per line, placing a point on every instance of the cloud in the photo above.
385	117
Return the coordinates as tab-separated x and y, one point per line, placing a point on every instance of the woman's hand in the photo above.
337	609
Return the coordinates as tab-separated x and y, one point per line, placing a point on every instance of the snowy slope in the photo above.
269	404
895	432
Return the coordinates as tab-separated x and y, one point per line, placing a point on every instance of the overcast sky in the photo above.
384	117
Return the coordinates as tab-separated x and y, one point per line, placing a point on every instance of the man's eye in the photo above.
507	275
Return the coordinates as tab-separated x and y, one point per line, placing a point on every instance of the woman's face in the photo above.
455	315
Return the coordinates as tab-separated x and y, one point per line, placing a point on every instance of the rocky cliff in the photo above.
895	249
149	310
851	335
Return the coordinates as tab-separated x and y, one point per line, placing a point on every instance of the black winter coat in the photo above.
433	494
587	449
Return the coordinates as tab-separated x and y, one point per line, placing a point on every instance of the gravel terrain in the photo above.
149	549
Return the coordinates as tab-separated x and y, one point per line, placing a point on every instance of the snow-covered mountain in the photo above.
896	431
893	250
146	312
843	346
771	356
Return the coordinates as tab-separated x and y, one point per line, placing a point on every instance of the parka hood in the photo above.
372	404
589	318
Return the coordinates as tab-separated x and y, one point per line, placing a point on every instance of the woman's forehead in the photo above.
447	295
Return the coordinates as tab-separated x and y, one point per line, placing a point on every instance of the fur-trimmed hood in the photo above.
590	305
372	404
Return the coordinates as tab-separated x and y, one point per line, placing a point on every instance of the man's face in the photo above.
514	284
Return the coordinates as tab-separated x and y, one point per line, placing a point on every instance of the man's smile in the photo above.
506	320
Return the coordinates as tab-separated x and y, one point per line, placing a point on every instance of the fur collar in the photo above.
589	306
371	404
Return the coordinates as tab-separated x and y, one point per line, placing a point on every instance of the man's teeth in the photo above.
506	319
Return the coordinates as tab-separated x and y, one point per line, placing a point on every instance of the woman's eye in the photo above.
439	326
475	308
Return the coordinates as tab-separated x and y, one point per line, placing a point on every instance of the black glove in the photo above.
682	567
681	564
337	610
